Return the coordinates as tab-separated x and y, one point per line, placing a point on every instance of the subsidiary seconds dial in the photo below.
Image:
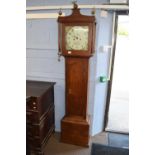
76	37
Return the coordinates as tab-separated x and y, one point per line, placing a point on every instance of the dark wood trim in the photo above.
111	76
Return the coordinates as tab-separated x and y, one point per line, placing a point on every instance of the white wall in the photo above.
104	38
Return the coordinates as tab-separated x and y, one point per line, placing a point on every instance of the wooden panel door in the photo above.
76	86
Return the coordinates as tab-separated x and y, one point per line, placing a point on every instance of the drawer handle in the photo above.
34	103
34	107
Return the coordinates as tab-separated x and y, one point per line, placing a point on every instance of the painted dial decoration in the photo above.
76	37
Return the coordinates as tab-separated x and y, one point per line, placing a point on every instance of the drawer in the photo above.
33	130
32	117
32	104
30	131
47	123
34	143
37	142
41	130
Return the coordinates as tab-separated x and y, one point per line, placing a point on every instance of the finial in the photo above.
75	4
60	12
93	11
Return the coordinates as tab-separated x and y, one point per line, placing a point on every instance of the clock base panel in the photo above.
75	130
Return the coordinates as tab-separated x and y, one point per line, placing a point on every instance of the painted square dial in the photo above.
76	37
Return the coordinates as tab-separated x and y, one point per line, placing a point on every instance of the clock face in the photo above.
76	37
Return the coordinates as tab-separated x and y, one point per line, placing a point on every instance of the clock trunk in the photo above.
76	86
75	124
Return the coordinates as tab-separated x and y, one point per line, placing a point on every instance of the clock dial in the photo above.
76	37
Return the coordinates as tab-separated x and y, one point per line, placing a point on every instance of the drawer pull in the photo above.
34	107
34	103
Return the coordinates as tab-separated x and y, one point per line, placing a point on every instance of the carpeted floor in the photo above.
55	147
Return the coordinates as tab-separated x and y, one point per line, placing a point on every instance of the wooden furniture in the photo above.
76	44
39	114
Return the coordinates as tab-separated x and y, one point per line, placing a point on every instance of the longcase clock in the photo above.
76	44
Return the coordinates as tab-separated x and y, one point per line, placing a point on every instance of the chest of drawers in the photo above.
39	114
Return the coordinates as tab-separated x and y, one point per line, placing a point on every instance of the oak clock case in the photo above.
76	44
